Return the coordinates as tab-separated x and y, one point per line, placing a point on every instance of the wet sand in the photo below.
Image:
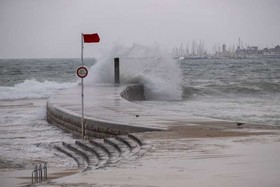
210	129
210	155
15	177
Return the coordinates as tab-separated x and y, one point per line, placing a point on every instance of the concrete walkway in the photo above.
103	102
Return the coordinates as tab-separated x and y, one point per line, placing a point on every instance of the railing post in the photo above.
40	173
36	173
117	70
45	171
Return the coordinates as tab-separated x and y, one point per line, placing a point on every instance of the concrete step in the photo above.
82	157
115	146
130	143
91	158
71	154
109	149
99	153
125	141
121	147
135	139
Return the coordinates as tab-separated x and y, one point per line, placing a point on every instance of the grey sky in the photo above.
52	28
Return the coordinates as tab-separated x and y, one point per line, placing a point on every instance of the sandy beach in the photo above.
200	156
208	155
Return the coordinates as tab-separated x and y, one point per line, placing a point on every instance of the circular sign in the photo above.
82	72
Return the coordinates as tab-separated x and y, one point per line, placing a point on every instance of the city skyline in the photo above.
218	46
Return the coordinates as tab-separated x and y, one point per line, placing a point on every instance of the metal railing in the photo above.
40	173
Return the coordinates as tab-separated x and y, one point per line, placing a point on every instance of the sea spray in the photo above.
32	89
139	64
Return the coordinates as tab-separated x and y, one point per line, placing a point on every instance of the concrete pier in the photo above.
108	111
102	118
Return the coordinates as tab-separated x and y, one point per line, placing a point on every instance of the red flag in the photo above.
91	38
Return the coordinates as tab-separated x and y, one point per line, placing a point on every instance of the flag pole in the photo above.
82	87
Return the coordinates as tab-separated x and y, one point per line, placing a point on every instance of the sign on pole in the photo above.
82	71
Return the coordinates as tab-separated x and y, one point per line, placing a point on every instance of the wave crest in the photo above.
32	89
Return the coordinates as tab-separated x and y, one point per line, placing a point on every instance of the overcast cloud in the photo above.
52	28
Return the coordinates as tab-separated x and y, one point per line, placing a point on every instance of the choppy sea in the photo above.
25	85
246	90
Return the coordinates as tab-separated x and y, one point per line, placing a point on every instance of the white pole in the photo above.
82	86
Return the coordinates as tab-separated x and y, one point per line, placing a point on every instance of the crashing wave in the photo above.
149	66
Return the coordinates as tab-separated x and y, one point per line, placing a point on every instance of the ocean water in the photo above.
246	90
25	85
232	89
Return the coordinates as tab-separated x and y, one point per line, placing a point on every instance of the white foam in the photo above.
32	89
149	66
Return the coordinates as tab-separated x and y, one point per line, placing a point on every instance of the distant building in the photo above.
265	50
252	50
224	48
271	52
277	49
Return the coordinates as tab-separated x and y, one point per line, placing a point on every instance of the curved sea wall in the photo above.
94	127
133	93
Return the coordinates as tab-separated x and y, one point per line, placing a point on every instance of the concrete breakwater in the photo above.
133	93
68	118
